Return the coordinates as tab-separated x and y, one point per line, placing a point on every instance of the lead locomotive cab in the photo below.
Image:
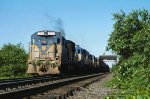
46	47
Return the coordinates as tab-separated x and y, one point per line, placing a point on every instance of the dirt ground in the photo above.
96	90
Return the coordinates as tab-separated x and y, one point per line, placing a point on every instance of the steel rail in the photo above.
31	90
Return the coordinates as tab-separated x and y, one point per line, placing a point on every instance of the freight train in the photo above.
51	53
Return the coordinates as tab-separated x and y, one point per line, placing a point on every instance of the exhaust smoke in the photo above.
56	24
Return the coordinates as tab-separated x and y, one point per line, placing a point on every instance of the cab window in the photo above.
78	50
58	40
63	41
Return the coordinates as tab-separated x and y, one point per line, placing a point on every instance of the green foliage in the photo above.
44	66
131	40
47	63
32	62
125	28
38	63
12	70
13	59
54	65
13	54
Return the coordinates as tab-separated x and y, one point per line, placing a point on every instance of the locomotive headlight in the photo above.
51	33
57	57
40	33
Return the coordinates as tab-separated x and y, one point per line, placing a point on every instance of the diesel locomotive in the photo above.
51	53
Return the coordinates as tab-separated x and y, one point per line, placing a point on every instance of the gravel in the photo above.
95	90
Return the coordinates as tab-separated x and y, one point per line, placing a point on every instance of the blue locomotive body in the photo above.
51	53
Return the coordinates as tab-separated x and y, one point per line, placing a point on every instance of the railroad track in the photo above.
64	91
7	84
36	89
14	83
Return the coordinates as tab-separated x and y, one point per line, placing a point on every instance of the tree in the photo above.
125	28
131	40
13	59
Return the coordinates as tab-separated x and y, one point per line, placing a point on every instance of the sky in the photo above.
86	22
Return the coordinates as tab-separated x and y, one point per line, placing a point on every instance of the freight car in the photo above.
103	66
51	53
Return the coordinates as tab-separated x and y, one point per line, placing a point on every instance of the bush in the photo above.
12	70
13	59
131	40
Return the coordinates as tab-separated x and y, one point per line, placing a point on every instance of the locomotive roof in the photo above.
83	50
47	32
70	41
